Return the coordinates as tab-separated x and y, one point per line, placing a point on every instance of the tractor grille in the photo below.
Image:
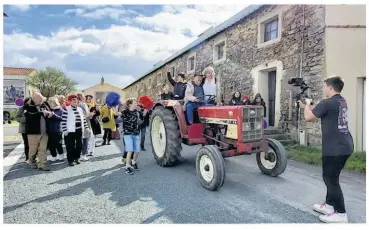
252	123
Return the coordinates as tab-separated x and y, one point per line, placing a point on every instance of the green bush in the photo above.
310	155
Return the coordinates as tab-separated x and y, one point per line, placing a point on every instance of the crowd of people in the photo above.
77	120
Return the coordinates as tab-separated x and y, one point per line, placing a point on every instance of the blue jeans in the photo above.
190	107
131	143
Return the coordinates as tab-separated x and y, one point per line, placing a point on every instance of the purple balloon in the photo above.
19	102
265	124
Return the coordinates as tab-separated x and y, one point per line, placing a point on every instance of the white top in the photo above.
210	88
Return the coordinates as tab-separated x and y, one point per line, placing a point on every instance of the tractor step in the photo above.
288	142
279	137
273	131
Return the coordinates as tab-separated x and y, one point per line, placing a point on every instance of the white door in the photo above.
364	113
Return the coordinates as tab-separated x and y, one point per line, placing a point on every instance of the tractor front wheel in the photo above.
274	162
165	137
210	167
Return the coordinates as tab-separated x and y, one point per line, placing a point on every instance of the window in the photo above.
220	50
191	63
159	79
271	30
172	71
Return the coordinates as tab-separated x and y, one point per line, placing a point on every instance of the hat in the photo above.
72	96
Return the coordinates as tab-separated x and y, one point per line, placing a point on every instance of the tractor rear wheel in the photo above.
165	137
274	162
210	167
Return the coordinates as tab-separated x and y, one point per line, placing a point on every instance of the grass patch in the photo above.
313	156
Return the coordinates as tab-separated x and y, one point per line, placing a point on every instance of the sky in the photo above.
118	42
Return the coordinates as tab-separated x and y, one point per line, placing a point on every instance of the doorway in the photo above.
271	97
364	110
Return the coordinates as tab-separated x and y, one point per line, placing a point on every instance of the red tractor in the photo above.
223	131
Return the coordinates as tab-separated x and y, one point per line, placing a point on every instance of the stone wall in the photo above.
243	54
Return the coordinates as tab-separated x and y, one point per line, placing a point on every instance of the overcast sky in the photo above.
119	42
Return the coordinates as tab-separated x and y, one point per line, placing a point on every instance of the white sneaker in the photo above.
60	157
323	208
84	158
334	218
53	159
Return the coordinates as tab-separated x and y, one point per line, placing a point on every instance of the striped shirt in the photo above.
78	124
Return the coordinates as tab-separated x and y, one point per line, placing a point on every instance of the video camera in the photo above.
299	82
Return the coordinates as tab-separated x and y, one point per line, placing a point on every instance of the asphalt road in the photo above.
98	191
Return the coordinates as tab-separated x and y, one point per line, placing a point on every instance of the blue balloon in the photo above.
265	124
112	99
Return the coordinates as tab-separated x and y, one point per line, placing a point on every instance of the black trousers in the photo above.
143	134
55	143
73	142
107	135
26	146
332	167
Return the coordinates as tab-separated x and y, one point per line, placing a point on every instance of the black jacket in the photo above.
167	96
179	87
33	117
95	125
146	118
262	103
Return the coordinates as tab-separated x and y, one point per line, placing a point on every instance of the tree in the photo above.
51	81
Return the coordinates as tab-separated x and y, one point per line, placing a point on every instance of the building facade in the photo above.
100	91
262	47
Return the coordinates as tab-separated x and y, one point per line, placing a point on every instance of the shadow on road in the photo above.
177	198
21	170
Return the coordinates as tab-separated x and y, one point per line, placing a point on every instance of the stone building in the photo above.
100	91
261	47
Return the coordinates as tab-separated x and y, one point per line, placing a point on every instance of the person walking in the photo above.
96	129
145	117
73	126
86	135
131	135
337	147
21	119
54	130
37	113
107	118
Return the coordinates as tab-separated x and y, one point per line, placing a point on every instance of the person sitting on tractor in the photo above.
195	97
179	85
166	95
209	84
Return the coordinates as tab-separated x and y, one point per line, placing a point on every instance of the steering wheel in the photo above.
210	100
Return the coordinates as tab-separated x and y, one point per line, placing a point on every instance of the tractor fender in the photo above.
179	112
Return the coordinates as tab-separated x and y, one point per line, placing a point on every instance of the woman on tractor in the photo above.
179	85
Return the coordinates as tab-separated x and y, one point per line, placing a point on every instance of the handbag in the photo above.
105	119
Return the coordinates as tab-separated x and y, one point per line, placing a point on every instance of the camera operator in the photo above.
337	146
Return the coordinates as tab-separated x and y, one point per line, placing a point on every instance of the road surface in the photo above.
98	191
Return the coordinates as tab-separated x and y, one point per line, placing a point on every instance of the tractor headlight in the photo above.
246	126
252	112
257	125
